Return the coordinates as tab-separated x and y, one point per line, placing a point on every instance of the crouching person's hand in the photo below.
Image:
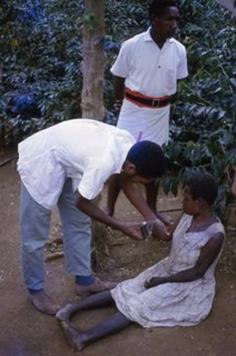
131	230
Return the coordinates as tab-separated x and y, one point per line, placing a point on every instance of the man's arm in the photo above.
113	192
207	256
119	92
90	209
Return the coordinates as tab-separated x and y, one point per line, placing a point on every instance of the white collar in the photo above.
147	37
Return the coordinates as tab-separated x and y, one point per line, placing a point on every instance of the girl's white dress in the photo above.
171	304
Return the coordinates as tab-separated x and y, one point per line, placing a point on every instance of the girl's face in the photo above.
190	206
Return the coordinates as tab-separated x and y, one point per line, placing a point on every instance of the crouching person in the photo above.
67	165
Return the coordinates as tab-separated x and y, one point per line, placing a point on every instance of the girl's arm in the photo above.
207	256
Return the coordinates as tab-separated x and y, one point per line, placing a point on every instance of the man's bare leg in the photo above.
98	300
80	339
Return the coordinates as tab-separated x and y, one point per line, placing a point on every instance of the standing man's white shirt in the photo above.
85	150
153	72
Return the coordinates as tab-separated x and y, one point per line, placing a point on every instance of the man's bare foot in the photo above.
97	286
74	337
43	303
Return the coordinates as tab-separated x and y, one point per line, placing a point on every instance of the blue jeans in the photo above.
35	225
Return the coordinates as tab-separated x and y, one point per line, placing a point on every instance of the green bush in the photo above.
203	131
40	56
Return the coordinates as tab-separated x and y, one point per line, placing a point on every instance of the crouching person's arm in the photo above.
114	188
91	209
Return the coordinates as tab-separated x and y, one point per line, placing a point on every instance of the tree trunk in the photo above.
93	60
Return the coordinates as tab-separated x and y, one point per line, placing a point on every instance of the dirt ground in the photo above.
26	332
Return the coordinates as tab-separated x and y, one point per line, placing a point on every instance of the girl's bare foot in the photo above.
65	313
74	336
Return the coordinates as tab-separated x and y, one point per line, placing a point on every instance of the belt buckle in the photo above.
155	103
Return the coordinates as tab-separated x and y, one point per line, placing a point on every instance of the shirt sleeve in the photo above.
93	181
182	70
121	67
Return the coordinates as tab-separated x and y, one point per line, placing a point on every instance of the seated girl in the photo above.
178	290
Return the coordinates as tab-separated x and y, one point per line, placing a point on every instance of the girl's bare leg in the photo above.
79	339
97	300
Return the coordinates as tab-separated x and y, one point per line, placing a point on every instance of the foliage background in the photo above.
41	79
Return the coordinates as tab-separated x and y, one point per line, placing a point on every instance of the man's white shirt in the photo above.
150	71
147	68
87	151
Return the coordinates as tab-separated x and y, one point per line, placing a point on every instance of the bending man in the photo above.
67	165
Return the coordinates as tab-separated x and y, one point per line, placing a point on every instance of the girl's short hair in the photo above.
148	159
203	185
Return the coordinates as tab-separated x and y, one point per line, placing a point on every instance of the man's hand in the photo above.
153	282
131	230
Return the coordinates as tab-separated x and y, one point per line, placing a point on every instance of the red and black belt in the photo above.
146	101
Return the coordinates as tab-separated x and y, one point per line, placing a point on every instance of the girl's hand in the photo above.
160	230
171	228
167	220
153	282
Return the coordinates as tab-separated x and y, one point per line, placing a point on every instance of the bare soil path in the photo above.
25	332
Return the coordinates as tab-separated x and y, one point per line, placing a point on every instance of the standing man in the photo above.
145	78
67	165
